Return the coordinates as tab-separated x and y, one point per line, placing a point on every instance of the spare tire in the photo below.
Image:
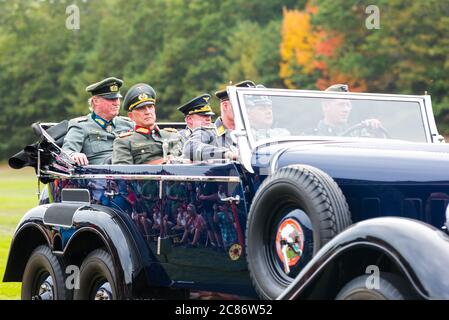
294	213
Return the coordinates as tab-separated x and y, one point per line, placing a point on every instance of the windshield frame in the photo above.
430	128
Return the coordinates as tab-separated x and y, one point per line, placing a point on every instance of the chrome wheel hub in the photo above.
46	290
104	292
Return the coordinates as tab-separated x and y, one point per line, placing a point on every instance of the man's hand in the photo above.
373	123
231	155
161	160
79	158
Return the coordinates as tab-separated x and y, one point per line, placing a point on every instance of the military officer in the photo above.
336	114
215	142
147	144
204	142
225	123
197	113
260	115
89	138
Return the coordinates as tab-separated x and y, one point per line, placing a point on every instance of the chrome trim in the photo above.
425	121
58	174
243	144
328	94
161	189
151	177
274	160
431	119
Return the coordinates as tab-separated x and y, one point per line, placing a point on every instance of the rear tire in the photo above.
43	278
97	278
298	205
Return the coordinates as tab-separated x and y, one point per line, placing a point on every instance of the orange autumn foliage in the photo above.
308	47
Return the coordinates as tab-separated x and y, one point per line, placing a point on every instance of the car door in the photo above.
210	245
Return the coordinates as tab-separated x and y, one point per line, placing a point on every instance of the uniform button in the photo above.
143	151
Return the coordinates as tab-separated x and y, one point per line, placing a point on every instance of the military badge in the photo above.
143	96
113	88
235	251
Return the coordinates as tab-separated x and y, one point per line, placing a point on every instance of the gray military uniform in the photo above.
139	148
208	142
323	129
260	134
185	134
87	136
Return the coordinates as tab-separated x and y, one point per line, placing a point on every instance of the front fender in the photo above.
418	250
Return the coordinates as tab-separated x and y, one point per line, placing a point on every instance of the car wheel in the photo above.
294	213
97	277
391	287
43	278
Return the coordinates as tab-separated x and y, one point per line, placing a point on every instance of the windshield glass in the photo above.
273	116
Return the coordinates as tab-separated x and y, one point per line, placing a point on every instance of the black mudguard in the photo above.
135	264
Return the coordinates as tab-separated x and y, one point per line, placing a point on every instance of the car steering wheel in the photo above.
360	128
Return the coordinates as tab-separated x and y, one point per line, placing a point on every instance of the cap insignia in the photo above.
143	96
113	88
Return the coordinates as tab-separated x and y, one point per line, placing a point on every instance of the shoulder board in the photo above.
80	119
221	130
170	129
125	134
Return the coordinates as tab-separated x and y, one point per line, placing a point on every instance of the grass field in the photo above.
17	195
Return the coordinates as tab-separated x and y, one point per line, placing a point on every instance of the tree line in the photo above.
187	47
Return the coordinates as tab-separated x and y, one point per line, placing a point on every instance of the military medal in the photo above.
109	128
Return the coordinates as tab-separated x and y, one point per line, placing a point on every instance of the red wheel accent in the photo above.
290	232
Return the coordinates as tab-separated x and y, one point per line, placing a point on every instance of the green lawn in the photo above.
17	195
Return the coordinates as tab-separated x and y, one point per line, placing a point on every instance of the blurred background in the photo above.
187	47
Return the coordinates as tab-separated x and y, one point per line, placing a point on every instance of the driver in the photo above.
336	113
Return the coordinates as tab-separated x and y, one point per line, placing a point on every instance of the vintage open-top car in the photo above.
276	223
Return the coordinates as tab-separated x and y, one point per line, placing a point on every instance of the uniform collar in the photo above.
186	132
146	131
106	125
